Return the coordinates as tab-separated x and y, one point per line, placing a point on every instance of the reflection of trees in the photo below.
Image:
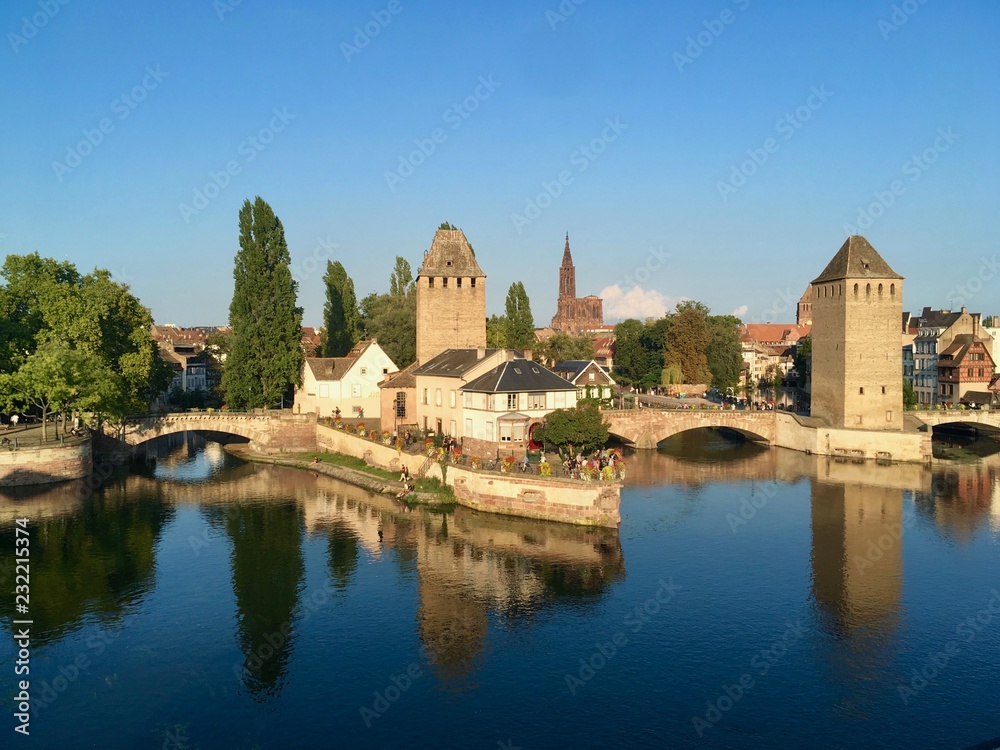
961	500
267	576
342	554
99	560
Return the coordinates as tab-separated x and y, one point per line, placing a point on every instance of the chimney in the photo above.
527	354
480	352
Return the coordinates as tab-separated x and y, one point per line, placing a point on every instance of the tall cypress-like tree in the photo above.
341	319
266	355
519	321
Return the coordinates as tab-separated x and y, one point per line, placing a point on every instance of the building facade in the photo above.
451	297
857	308
965	368
349	383
936	331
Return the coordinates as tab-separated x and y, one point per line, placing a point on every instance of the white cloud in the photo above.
740	311
635	303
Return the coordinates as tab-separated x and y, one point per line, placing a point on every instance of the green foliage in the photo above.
687	342
496	332
519	323
560	347
639	357
582	428
671	375
47	301
393	321
803	353
266	357
446	225
724	352
401	282
909	396
341	319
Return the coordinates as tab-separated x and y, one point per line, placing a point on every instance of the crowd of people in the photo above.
596	462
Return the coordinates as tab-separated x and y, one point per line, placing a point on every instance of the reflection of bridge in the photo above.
644	428
287	430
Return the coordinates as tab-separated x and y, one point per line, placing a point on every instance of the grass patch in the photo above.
352	462
434	486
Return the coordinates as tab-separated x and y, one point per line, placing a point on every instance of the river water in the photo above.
752	598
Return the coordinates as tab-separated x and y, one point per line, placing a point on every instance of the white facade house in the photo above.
347	383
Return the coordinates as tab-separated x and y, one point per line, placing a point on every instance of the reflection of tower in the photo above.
857	554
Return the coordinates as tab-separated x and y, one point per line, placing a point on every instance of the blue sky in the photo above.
720	151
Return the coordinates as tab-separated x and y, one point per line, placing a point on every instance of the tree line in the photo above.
689	345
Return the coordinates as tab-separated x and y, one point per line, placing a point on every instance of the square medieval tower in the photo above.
857	353
451	297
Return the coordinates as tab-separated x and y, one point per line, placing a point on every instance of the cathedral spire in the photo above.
567	273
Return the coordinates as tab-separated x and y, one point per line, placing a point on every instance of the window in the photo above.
467	402
364	370
385	370
458	282
868	290
425	397
536	400
437	398
400	404
880	290
590	377
888	416
452	396
451	428
883	389
511	401
468	427
892	290
855	290
489	431
444	282
861	391
430	283
355	390
472	282
505	432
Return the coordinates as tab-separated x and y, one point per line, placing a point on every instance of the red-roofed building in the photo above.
964	368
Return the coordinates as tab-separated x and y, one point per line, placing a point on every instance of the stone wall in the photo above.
373	454
43	465
857	444
449	317
568	501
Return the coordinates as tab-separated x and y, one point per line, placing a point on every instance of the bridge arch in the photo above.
645	429
292	431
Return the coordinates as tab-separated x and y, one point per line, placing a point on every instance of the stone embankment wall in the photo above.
837	442
57	463
568	501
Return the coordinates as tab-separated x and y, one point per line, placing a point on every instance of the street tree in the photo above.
560	347
687	342
582	428
724	353
393	321
496	332
265	357
341	319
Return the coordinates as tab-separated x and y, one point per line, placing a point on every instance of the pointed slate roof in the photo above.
856	259
450	255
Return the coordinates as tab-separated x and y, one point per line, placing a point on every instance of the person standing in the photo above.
14	418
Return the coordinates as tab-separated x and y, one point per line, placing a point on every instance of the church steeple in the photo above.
567	273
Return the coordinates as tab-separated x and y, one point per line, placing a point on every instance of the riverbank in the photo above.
337	466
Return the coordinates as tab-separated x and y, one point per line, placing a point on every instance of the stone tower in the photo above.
573	314
567	274
451	297
857	355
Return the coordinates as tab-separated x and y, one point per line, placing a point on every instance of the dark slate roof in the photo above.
977	397
938	318
856	259
516	376
330	368
402	379
450	255
452	363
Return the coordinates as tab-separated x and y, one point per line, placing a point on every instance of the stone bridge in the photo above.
287	431
988	421
645	428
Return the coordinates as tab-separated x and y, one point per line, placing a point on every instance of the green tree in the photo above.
266	358
560	347
687	342
724	353
520	324
496	332
341	319
401	282
803	354
671	375
393	321
909	396
775	380
55	378
639	356
582	428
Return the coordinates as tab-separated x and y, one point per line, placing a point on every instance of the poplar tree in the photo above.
519	321
265	356
341	319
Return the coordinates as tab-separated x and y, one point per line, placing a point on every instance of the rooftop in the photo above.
516	376
856	259
450	255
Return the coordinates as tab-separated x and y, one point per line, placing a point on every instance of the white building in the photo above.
347	383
